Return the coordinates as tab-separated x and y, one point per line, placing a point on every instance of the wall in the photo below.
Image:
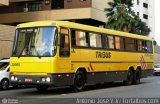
6	40
157	54
4	2
98	7
149	11
68	4
59	14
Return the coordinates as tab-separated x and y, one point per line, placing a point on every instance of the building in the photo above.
145	10
4	2
6	36
157	54
6	40
81	11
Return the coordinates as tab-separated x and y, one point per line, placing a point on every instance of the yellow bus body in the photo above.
118	63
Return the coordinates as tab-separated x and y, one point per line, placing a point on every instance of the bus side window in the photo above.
130	44
81	38
144	46
64	43
149	47
105	41
139	43
119	43
111	42
95	40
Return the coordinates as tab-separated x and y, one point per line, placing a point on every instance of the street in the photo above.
149	88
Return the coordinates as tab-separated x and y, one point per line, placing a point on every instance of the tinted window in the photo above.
64	42
95	40
119	43
149	47
81	38
111	42
130	44
139	42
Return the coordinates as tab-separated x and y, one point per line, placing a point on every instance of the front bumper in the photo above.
55	80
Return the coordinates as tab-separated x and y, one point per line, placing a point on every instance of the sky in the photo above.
157	21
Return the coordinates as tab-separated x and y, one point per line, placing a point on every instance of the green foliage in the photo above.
121	17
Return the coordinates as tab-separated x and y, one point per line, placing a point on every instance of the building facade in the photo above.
4	2
145	10
6	40
6	36
82	11
157	54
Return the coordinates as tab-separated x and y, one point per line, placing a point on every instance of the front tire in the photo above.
4	84
79	81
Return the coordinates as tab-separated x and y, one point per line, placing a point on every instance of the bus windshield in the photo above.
38	41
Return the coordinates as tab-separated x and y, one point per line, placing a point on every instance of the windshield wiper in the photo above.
21	52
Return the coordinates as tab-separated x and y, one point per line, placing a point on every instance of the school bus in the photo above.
62	53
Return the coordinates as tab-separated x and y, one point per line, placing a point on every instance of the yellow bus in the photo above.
62	53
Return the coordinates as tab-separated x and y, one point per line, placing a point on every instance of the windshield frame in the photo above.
54	43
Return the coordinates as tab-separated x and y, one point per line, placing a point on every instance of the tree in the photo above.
139	27
122	18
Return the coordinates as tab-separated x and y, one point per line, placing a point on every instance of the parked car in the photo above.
4	74
156	69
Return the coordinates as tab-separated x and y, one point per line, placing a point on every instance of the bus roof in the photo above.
81	26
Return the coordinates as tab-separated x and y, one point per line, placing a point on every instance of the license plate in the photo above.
28	79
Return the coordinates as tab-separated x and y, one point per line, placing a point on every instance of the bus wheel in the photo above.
137	77
42	88
79	81
129	79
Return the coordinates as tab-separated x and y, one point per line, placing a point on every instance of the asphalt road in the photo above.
149	88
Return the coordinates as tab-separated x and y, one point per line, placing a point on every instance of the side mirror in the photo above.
145	49
62	40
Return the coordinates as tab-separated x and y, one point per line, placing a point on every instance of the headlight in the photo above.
48	79
12	78
43	79
16	79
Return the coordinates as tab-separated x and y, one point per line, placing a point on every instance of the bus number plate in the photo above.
28	79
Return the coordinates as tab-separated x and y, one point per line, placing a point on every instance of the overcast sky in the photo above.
157	21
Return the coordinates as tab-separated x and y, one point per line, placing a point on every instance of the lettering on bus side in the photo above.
103	54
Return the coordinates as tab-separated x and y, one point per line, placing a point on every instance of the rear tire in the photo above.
137	77
42	88
4	84
79	81
129	80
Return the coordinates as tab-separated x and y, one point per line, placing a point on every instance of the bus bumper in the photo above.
50	80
